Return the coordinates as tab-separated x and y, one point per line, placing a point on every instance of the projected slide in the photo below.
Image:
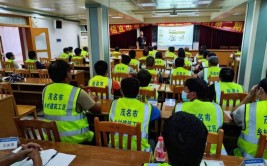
175	36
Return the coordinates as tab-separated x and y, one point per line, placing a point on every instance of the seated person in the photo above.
181	54
155	50
71	54
212	71
33	58
116	53
159	59
180	70
11	58
150	51
225	85
194	102
65	104
251	116
102	80
145	54
150	62
170	53
65	53
134	61
187	53
124	67
144	78
29	150
238	53
129	110
198	56
84	52
78	55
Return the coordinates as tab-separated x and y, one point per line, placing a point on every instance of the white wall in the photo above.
68	34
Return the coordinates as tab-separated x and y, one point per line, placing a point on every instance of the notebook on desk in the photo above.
49	157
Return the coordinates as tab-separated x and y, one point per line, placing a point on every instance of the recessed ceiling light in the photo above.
205	2
47	9
116	17
236	14
148	4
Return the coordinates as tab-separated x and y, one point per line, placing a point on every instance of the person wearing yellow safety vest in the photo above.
116	53
170	53
130	111
11	58
187	53
124	67
65	104
155	48
71	54
180	70
150	51
65	54
77	55
159	59
195	102
133	61
145	54
225	85
33	58
238	53
185	140
84	52
251	115
212	71
150	62
181	54
101	79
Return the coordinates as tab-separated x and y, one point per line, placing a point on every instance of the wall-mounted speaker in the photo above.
58	24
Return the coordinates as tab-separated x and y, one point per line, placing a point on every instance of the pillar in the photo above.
253	64
98	34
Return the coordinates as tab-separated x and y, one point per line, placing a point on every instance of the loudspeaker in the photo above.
58	24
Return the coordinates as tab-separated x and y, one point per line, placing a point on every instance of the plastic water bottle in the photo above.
160	155
155	80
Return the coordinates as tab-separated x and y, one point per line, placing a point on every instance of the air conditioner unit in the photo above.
83	39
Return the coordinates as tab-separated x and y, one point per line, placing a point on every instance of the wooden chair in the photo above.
231	97
179	79
37	129
135	67
147	94
9	66
160	68
177	91
43	73
106	127
77	61
21	110
44	60
24	73
118	76
187	68
261	146
211	80
101	93
215	138
3	72
30	65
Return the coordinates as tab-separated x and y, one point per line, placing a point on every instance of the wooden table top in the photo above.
227	160
33	81
4	96
94	155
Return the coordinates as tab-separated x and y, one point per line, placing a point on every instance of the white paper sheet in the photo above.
228	114
211	163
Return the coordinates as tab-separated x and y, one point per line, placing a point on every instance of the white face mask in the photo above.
184	96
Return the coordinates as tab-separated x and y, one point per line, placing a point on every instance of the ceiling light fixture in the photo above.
148	4
47	9
116	17
205	2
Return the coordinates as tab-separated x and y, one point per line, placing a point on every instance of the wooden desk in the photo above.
94	155
227	160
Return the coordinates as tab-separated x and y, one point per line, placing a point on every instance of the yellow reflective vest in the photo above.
180	71
171	54
64	55
131	111
59	105
226	87
101	81
121	68
134	62
159	62
213	71
85	54
116	54
31	60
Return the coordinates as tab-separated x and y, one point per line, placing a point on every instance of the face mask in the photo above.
184	96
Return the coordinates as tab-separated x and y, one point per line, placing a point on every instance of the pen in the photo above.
51	158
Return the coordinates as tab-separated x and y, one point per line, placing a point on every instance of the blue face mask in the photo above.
184	96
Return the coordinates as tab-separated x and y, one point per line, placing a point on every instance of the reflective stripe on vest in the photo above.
217	91
121	68
218	111
73	132
64	118
96	82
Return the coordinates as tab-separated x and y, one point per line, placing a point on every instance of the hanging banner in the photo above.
121	28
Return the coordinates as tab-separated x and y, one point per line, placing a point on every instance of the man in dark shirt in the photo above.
141	41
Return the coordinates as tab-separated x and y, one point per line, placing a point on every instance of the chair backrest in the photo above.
24	73
148	94
135	67
43	73
44	60
101	93
113	128
179	79
118	76
177	91
8	66
77	61
37	129
160	68
187	68
215	138
30	65
211	80
234	97
6	88
261	146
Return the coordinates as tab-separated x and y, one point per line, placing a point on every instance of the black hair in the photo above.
199	86
132	54
181	54
181	49
101	67
185	139
144	77
159	55
150	48
9	55
125	59
171	49
77	51
200	51
145	52
32	54
150	61
117	48
211	54
155	47
58	71
227	75
204	47
70	48
206	53
65	49
85	48
263	84
179	62
213	61
130	87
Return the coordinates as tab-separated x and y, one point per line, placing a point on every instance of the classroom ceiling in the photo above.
135	11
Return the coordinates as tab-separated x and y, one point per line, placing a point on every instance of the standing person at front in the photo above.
130	111
252	117
65	104
141	41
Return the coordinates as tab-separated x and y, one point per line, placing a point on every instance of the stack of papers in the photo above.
211	163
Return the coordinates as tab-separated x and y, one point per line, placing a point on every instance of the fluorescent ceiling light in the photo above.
148	4
205	2
236	14
116	17
47	9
